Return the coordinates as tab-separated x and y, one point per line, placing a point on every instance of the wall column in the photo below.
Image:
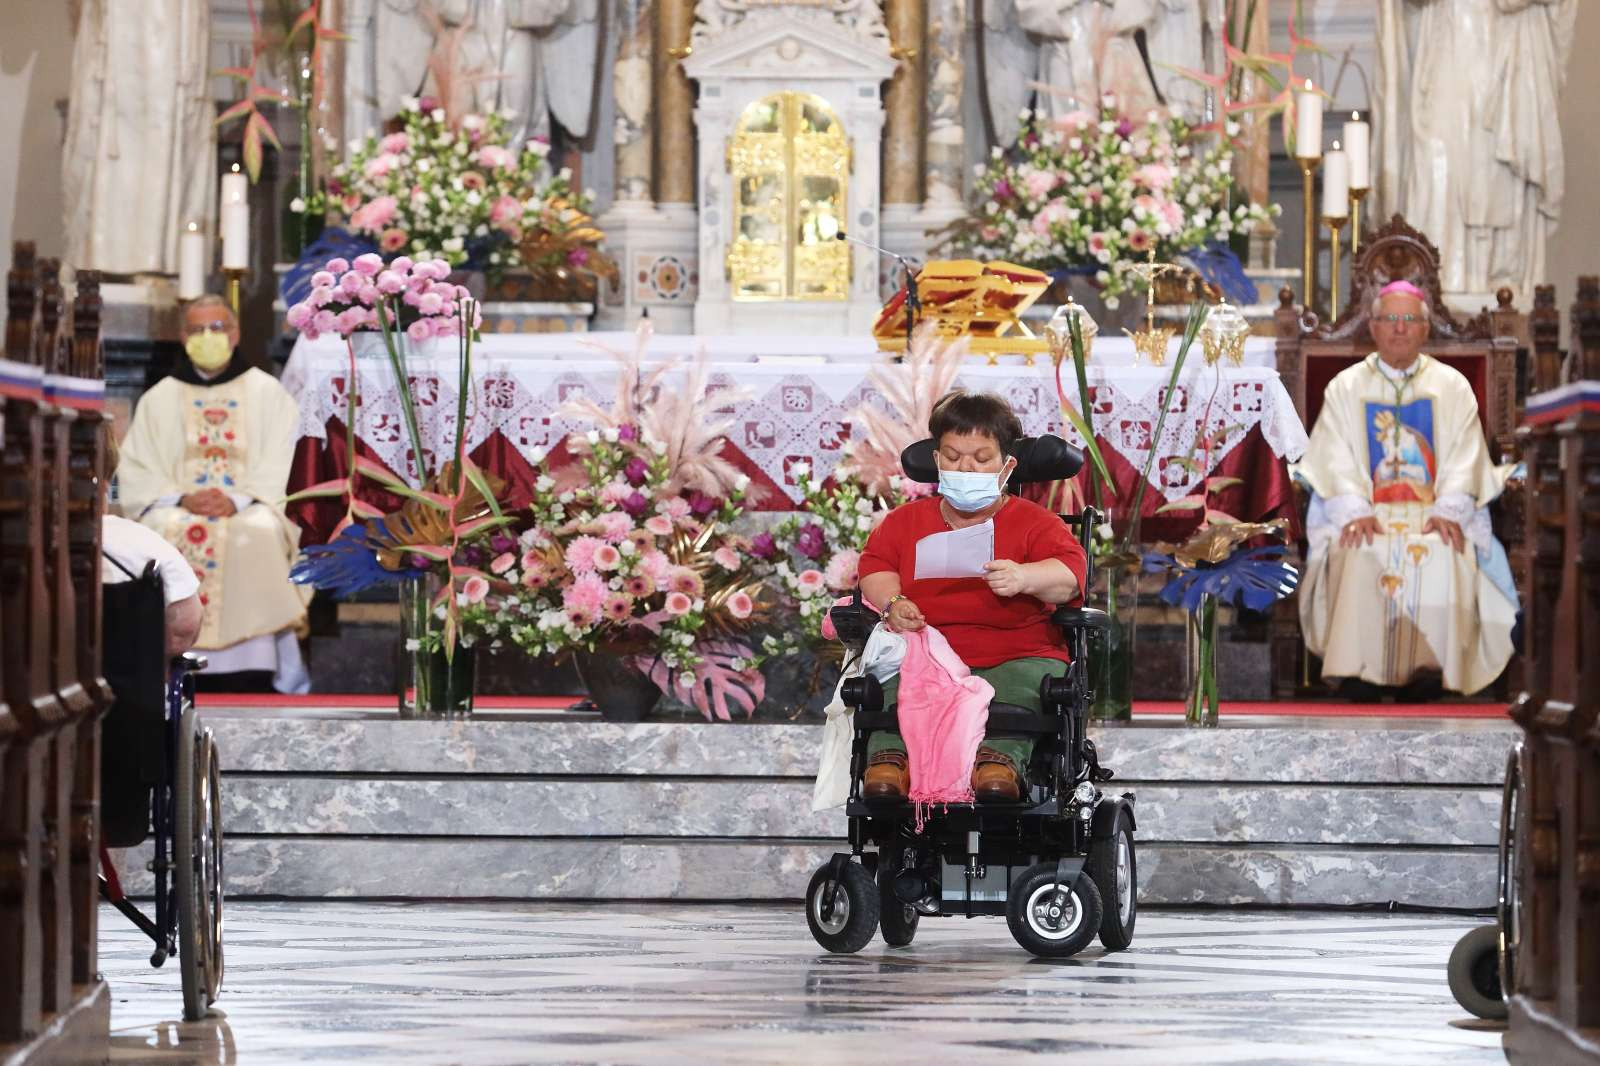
903	103
674	163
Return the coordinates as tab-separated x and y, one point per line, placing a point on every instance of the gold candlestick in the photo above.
233	278
1356	196
1308	265
1335	225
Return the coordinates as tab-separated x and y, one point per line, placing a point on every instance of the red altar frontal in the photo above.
794	403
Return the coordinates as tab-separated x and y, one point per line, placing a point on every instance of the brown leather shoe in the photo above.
995	778
888	777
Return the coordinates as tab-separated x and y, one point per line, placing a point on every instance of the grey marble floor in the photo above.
422	984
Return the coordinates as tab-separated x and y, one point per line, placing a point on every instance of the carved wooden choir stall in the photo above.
53	1005
1555	983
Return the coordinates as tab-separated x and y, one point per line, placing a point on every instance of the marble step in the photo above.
712	870
1434	752
467	807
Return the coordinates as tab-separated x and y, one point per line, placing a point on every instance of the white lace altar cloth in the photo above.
792	412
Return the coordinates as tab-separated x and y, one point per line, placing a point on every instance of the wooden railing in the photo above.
51	693
1555	988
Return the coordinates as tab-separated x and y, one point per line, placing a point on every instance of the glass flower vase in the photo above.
1202	704
1117	593
432	684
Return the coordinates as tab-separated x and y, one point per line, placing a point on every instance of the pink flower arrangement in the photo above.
840	574
365	296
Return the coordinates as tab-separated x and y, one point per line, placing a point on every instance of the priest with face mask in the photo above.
205	464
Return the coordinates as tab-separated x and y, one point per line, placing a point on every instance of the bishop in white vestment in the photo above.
205	464
1404	576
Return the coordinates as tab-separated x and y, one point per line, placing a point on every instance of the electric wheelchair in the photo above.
1059	864
160	778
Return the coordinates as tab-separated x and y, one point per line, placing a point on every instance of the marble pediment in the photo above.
784	42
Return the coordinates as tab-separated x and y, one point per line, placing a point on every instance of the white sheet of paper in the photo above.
958	553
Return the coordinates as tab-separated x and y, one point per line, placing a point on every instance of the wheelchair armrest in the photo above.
1081	617
190	663
853	621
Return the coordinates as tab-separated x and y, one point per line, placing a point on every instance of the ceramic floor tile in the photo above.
485	985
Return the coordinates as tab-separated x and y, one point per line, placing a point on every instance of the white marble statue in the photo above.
862	17
140	154
1176	38
1087	49
532	58
1469	138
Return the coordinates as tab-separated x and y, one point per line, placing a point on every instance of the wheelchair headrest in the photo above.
1042	458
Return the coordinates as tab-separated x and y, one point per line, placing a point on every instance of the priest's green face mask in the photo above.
208	351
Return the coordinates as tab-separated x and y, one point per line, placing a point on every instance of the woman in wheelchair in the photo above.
998	624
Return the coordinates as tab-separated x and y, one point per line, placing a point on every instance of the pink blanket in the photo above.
943	711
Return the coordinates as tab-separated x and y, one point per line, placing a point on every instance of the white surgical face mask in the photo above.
972	490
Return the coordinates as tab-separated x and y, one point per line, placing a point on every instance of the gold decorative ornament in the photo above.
1223	335
1150	343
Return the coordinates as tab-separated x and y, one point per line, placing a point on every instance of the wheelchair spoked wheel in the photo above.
897	920
197	868
1114	867
842	914
1053	921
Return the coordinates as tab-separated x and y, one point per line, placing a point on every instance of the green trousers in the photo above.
1015	682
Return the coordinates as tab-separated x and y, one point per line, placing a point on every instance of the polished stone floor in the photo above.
421	984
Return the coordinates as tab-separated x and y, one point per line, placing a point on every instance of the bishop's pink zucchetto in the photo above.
1403	287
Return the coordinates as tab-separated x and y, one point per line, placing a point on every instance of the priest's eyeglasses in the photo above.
1393	319
218	325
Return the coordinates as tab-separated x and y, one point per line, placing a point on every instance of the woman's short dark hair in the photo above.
961	412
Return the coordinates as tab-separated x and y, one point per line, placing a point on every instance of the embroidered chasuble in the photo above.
236	434
1404	447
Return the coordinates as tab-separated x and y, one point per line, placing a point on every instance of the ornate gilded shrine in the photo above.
790	163
790	123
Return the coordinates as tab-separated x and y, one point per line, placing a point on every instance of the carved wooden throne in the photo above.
1484	347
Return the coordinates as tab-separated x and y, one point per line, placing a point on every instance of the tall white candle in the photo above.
191	263
1308	123
1336	184
1358	144
235	218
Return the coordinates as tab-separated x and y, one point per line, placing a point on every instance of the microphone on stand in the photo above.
913	301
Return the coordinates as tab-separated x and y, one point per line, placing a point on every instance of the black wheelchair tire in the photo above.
1035	881
1474	973
186	874
210	866
897	921
1116	932
859	894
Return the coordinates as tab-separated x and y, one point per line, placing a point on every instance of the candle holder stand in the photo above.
1335	225
1356	196
233	279
1308	258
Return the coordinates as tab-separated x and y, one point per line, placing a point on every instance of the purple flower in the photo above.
473	556
578	256
502	543
636	504
810	542
762	546
1124	127
1002	189
701	505
428	104
1031	140
628	431
636	471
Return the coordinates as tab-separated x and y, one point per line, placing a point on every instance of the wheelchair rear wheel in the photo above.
1474	973
1115	870
842	914
897	920
197	867
1052	922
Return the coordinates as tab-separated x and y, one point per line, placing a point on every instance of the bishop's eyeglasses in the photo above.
1393	319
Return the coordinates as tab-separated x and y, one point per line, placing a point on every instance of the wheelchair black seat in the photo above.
134	636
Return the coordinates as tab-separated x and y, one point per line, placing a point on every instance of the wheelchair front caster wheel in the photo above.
1053	921
1474	973
842	914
